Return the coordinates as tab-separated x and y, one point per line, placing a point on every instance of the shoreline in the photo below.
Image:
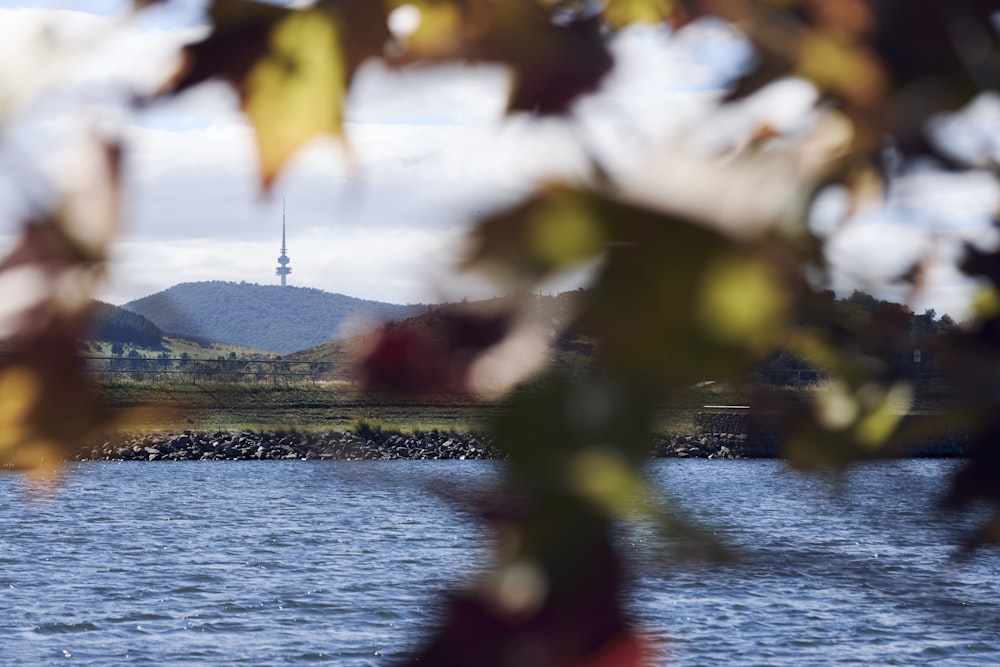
191	445
289	445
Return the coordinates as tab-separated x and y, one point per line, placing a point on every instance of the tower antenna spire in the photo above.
283	269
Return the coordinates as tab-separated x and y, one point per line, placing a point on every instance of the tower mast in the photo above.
283	269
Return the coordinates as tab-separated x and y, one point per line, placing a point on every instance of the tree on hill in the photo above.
705	264
891	331
118	325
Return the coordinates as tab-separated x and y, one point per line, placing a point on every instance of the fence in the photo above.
810	377
790	377
272	371
286	371
246	371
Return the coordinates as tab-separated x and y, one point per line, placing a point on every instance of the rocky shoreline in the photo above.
701	446
278	445
441	445
291	445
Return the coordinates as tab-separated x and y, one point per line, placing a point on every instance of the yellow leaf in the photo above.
604	478
295	92
886	412
19	391
552	232
621	13
430	29
843	68
564	232
740	301
986	302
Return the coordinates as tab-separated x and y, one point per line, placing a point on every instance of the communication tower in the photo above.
283	269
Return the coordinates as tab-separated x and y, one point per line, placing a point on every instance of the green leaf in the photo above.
675	302
740	301
545	426
552	232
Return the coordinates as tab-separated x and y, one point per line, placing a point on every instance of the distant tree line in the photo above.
902	340
117	325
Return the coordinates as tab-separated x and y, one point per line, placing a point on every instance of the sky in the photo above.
429	150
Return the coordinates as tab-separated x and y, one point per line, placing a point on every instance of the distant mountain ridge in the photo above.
265	317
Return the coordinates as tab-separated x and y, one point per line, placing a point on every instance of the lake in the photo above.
288	562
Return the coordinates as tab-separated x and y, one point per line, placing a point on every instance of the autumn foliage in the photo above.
697	280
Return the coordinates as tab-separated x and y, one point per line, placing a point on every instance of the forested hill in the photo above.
553	313
891	332
264	317
117	325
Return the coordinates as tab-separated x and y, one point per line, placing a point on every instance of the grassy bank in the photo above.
339	407
308	407
303	407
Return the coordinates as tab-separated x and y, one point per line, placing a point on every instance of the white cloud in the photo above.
876	253
947	198
429	149
663	84
970	134
928	217
64	74
445	94
403	265
81	58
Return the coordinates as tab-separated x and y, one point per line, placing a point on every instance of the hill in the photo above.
117	325
265	317
552	313
890	331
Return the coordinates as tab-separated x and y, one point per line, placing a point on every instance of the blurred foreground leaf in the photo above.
434	353
554	57
622	13
552	599
290	67
47	284
46	405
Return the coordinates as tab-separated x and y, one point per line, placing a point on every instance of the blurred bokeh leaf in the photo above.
290	67
553	599
297	91
690	284
552	61
554	231
47	407
546	425
47	284
622	13
661	307
435	353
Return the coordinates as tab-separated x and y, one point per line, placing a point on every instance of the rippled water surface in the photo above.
858	570
261	563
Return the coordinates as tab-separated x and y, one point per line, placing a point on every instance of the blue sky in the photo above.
431	149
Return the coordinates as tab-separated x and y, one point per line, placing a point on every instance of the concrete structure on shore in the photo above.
757	435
